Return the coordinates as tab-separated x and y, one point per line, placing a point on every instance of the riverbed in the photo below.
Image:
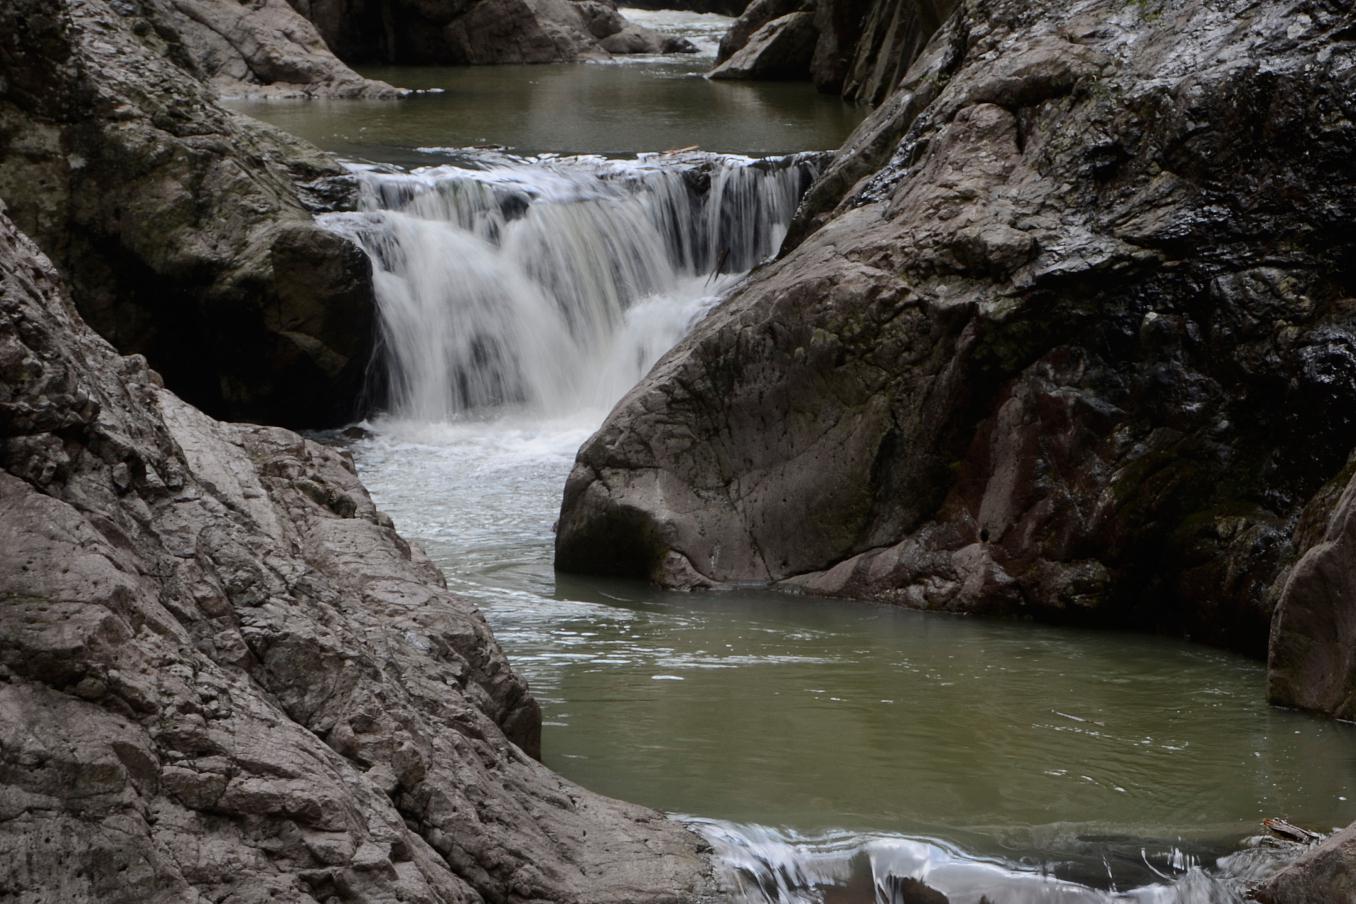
814	741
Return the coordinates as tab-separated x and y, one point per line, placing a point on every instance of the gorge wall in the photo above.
1067	330
184	232
224	676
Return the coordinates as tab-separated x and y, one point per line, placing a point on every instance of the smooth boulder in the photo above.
185	232
781	49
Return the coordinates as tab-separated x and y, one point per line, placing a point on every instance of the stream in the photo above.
827	749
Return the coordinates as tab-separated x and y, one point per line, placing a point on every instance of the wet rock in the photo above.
755	16
1327	872
860	48
184	231
261	47
1311	661
224	676
1033	349
781	49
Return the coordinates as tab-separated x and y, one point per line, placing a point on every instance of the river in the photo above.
822	746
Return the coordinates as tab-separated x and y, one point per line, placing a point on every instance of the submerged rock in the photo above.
184	231
224	676
1039	349
457	32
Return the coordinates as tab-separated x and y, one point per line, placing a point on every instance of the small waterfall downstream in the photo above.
552	284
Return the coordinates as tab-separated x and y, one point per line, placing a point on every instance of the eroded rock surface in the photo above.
224	676
184	231
461	32
1071	334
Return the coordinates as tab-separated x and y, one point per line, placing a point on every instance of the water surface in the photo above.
622	107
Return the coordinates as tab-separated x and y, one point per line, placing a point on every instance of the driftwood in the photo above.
1290	831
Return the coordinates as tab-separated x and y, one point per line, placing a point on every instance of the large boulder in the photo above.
781	49
461	32
1311	660
253	47
225	677
1326	874
1047	354
185	232
858	48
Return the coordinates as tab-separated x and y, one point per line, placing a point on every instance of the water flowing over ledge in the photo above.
768	866
554	283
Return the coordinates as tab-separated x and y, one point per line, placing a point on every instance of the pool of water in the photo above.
618	108
1084	752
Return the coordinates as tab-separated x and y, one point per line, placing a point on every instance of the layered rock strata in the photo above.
224	676
1069	332
185	232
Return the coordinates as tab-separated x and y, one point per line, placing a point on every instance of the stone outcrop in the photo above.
184	231
858	48
458	32
1326	873
719	7
781	49
1070	334
254	47
1311	660
224	676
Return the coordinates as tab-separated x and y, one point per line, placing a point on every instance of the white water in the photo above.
552	284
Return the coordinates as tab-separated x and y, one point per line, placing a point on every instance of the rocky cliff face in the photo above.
462	32
223	676
1069	331
185	232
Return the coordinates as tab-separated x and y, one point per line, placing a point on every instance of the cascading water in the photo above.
553	283
522	297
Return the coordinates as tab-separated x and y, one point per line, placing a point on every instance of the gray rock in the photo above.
224	676
755	16
185	232
1036	350
781	49
1311	662
1326	873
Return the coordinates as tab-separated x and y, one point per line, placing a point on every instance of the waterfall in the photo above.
554	283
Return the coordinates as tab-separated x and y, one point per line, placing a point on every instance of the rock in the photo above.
755	16
258	47
226	677
1311	661
1327	872
185	232
718	7
862	48
781	49
1036	351
458	32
